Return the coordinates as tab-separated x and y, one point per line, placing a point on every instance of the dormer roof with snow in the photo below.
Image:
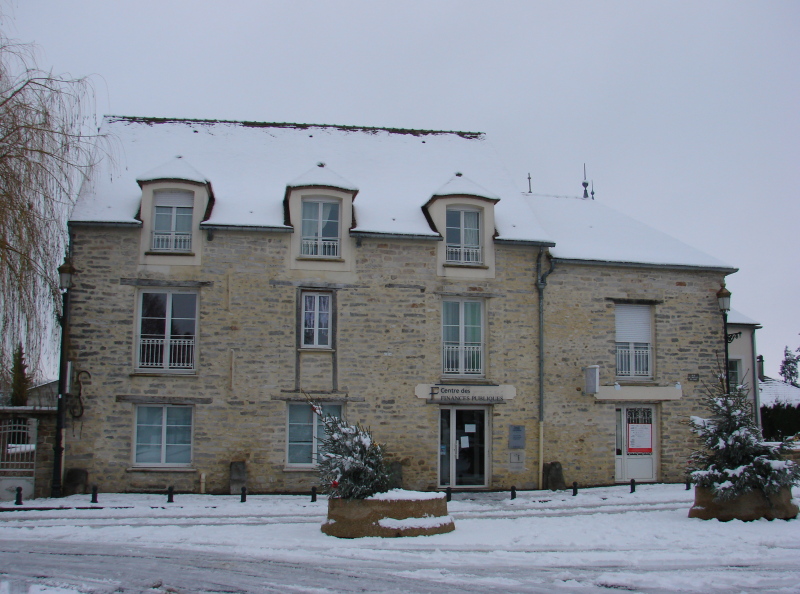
395	173
177	169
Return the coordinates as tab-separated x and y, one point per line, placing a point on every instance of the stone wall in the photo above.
580	331
388	337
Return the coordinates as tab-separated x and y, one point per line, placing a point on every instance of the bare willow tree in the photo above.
47	133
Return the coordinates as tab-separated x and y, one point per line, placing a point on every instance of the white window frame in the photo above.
462	357
734	372
174	204
148	345
315	245
634	341
461	252
164	436
317	431
318	322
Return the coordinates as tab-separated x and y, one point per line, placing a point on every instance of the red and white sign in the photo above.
640	438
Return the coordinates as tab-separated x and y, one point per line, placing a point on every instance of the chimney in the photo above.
760	363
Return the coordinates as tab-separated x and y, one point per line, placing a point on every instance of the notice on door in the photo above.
640	438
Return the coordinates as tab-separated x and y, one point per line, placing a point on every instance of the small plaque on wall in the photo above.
516	437
694	377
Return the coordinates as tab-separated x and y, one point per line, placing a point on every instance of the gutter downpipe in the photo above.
755	380
541	283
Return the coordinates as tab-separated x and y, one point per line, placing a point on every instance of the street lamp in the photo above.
724	301
65	272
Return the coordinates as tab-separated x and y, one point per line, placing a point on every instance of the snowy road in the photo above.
603	539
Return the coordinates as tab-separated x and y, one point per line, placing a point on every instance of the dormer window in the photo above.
321	235
463	236
172	220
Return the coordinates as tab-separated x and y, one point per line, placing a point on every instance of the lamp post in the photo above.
724	301
65	272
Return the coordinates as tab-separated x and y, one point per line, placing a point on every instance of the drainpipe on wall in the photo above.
757	373
541	283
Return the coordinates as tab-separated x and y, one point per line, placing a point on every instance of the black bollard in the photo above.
449	492
313	494
688	484
513	492
574	488
171	495
633	485
18	500
94	494
244	494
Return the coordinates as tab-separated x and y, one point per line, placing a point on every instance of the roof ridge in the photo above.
254	124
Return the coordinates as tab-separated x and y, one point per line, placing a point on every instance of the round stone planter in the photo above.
392	514
750	506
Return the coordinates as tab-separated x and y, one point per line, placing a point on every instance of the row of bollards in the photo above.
170	495
448	492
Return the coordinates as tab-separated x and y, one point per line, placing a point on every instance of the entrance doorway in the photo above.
462	446
636	454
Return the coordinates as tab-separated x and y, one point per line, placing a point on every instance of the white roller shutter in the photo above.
181	198
633	323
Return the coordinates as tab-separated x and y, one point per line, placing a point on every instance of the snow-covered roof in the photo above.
394	172
175	168
777	392
737	317
586	229
322	176
459	185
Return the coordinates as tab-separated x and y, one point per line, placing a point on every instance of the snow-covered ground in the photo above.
603	538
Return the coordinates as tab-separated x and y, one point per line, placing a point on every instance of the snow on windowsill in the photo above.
301	468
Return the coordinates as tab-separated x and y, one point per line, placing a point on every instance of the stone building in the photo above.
229	271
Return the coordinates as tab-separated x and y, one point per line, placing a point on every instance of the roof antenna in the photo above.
529	182
585	183
592	189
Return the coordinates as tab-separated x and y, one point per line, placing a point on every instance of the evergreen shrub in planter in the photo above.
737	474
355	476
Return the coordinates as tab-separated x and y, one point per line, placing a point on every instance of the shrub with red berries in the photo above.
351	464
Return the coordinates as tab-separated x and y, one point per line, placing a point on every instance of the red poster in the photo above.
640	438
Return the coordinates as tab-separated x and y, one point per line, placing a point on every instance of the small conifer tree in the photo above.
351	464
20	382
734	459
788	368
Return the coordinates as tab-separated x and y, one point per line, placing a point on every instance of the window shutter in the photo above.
633	323
181	198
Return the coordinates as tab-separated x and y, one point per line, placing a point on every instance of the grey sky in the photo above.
685	113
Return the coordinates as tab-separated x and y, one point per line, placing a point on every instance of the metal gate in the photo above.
17	457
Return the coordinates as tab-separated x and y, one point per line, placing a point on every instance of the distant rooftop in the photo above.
776	391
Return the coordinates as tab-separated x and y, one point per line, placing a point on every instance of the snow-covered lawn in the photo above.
602	538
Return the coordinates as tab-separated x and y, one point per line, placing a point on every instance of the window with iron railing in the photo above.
320	229
462	337
633	360
167	331
172	221
463	236
634	343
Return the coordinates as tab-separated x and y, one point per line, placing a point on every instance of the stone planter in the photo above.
747	507
392	514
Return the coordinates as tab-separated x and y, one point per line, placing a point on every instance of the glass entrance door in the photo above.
462	447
